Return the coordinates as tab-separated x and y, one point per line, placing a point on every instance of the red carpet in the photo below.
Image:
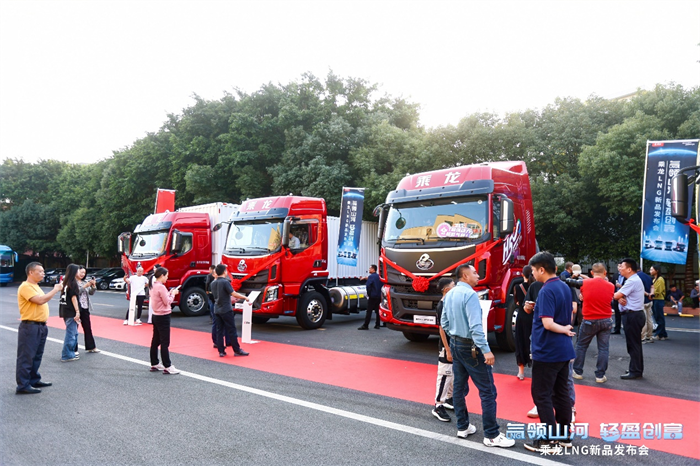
416	382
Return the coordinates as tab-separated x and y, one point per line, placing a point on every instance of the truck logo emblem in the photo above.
242	267
511	243
425	262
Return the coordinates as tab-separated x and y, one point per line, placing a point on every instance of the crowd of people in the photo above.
549	308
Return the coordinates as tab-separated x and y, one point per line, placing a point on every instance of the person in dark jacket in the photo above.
374	297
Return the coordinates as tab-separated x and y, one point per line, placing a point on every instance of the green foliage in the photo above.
313	136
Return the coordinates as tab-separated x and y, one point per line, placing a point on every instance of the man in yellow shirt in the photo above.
34	312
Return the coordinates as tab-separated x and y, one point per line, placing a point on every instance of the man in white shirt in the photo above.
293	241
138	285
631	299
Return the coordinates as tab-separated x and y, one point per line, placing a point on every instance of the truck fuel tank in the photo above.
346	299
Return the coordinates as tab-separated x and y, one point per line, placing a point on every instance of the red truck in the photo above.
285	247
433	222
183	242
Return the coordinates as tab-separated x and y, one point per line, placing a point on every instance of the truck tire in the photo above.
506	339
193	302
312	310
410	336
260	320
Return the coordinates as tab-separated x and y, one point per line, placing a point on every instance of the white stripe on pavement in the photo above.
686	330
497	451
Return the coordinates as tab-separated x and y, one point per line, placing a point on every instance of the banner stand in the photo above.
247	328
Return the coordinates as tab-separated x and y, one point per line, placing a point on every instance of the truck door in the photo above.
300	261
179	263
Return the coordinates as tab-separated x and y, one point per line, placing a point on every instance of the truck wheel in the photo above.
193	302
311	313
506	339
410	336
260	320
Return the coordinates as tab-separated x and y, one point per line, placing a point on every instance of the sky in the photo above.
81	79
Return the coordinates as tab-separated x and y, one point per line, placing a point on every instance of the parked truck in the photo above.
184	243
285	248
435	221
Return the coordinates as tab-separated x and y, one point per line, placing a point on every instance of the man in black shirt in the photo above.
223	312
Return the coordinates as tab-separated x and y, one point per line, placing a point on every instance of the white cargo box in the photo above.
367	255
218	212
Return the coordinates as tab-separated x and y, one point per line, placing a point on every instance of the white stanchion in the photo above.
247	330
485	309
132	308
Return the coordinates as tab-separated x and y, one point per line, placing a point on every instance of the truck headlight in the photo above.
385	297
271	293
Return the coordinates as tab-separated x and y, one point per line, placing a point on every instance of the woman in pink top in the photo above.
161	300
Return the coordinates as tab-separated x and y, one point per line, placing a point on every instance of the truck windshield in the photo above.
436	222
149	244
254	238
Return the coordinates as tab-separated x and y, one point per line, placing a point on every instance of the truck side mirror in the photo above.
176	246
380	211
286	227
679	196
123	243
217	227
507	216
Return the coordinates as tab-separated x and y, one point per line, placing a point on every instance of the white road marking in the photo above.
497	451
686	330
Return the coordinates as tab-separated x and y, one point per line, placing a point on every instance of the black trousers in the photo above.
225	323
634	322
372	306
87	329
550	392
161	337
139	305
31	339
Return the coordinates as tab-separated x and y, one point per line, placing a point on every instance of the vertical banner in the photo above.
165	200
350	225
664	239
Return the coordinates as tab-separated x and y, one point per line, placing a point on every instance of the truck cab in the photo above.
278	246
182	242
435	221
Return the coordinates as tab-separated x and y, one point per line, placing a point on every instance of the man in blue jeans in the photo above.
597	321
471	357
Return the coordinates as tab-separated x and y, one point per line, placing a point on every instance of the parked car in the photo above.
52	276
118	284
105	279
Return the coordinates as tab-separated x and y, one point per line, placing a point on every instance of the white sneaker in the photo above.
158	367
573	415
170	371
138	322
602	379
500	441
126	322
533	412
468	431
577	376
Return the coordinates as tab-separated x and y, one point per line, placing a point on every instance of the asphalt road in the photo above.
107	409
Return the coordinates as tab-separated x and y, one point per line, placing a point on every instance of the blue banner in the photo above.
350	225
664	239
